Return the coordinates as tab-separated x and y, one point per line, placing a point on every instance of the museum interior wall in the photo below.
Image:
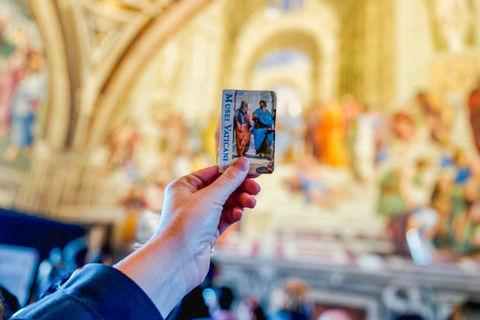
104	102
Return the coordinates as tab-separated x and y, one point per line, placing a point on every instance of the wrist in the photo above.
158	269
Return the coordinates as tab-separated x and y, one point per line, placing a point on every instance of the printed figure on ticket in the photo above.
248	129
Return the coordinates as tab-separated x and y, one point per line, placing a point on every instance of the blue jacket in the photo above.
97	292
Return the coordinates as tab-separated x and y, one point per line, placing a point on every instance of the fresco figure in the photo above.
365	145
29	96
9	82
263	130
474	109
436	116
121	145
243	129
330	136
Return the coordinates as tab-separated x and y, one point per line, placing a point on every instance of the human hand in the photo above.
198	208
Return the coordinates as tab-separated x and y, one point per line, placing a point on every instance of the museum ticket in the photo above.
248	129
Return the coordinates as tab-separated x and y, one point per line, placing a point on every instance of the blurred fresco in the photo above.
23	82
23	92
104	102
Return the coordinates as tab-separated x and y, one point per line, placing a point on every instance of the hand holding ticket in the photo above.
248	129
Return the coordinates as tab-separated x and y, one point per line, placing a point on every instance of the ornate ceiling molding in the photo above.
58	113
98	47
135	59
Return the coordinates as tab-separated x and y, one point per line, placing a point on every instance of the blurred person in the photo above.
474	111
250	309
148	284
423	180
194	305
422	225
330	136
462	166
393	205
334	314
121	144
364	146
49	272
151	202
436	116
469	310
225	300
311	117
290	302
263	131
10	78
441	202
474	216
463	220
383	134
403	126
73	257
392	200
8	304
28	98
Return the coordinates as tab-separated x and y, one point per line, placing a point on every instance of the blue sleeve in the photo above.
97	292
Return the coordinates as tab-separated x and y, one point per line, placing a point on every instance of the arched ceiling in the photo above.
314	31
295	39
118	46
239	11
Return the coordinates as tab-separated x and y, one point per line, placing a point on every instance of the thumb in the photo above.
230	180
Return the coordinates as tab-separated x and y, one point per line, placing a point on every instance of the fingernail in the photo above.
243	164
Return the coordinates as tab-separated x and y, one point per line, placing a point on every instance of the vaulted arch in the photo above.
293	39
313	31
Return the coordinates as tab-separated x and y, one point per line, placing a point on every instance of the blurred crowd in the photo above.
291	300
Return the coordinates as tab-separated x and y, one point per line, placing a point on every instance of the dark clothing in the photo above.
97	292
264	146
9	302
192	306
262	134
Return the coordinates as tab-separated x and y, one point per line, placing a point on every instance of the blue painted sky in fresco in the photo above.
282	57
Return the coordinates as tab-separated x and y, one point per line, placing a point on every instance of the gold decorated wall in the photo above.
368	38
134	86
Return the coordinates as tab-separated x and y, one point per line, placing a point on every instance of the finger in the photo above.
228	182
241	199
252	176
206	176
250	186
229	216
